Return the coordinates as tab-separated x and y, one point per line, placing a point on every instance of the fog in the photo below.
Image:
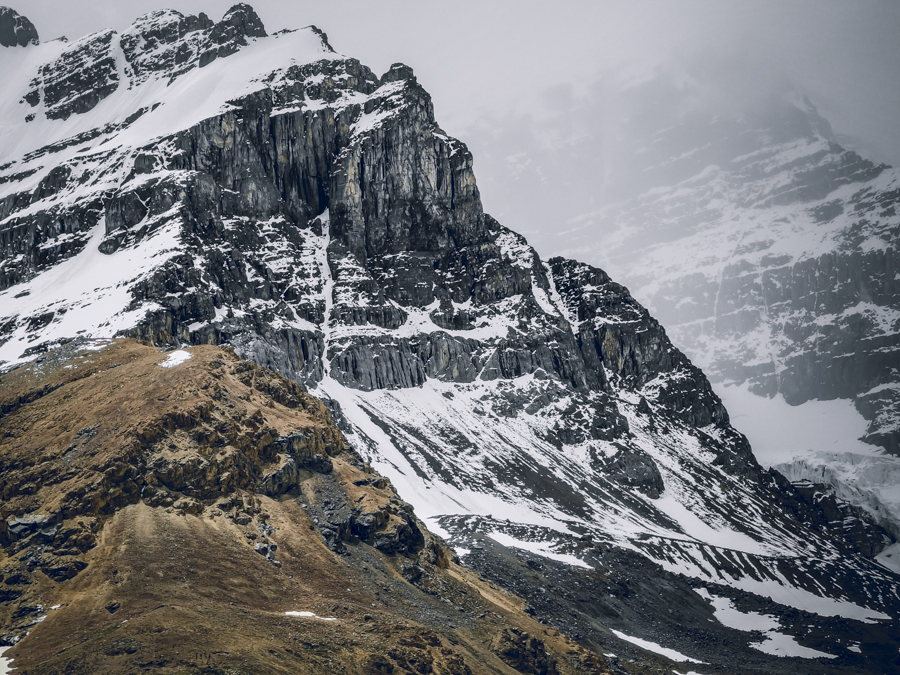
505	55
536	89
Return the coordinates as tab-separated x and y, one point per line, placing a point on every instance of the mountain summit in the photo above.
193	183
16	30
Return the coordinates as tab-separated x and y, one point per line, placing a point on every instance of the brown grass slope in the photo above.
164	520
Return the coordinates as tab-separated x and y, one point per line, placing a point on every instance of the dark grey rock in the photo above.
19	527
16	30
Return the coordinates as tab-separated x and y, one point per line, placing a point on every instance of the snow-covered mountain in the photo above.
191	182
768	250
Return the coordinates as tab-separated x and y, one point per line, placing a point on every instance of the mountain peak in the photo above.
398	71
16	30
241	19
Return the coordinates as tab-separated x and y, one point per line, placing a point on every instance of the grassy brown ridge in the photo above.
129	500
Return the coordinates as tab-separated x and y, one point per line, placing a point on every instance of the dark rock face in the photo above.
156	42
523	652
638	471
80	78
847	357
630	344
16	30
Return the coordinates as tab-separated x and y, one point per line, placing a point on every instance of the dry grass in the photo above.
173	583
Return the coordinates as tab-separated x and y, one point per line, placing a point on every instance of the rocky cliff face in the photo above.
287	201
801	300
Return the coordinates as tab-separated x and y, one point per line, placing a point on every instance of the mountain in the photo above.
767	249
192	183
166	541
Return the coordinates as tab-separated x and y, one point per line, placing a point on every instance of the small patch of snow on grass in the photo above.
176	358
310	615
5	663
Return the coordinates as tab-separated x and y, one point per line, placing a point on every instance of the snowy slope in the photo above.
768	251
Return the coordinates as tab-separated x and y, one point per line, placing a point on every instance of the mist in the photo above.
547	97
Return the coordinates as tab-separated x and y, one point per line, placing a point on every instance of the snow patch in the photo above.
779	644
88	293
537	547
176	358
780	591
5	664
779	432
727	615
655	648
310	615
890	557
694	527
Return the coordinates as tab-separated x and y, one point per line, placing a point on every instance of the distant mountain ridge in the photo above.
769	252
190	182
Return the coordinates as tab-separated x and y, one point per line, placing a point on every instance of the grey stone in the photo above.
16	30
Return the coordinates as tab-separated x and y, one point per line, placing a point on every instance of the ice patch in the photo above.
780	432
819	441
890	557
176	358
655	648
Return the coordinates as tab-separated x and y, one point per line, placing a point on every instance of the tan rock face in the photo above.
133	506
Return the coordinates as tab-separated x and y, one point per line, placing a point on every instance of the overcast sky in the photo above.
510	77
500	56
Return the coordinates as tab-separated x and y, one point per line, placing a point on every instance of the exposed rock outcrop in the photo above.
16	30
